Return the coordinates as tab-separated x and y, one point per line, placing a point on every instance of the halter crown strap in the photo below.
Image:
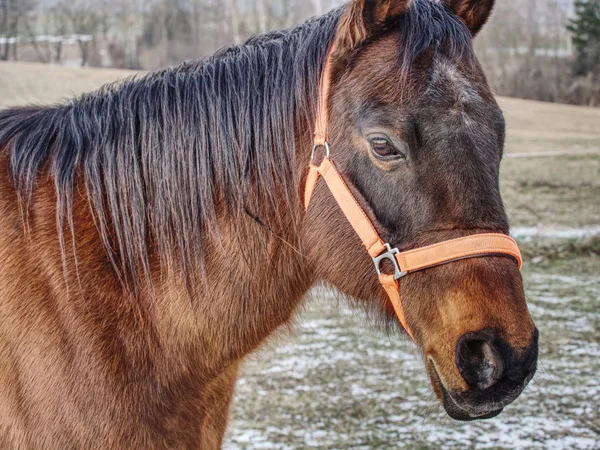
476	245
322	118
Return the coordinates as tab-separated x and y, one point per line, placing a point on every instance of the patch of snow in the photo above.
528	233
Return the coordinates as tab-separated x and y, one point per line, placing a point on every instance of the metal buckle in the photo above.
326	145
389	254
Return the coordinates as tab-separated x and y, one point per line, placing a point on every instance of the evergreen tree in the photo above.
586	36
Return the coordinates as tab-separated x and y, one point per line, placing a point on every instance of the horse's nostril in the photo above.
478	360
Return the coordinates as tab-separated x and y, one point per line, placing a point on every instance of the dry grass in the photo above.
537	126
25	83
552	192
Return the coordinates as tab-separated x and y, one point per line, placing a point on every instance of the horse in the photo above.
153	233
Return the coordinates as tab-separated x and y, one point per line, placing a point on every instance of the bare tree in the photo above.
85	21
31	35
12	14
8	30
60	28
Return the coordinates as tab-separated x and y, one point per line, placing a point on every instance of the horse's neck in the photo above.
255	276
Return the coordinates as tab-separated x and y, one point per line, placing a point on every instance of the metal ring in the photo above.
327	150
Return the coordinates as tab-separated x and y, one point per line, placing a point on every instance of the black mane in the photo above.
161	155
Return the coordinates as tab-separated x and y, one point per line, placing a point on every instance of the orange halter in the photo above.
472	246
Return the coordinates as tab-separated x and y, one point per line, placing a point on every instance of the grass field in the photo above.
41	84
335	381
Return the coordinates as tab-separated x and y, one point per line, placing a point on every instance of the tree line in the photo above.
539	49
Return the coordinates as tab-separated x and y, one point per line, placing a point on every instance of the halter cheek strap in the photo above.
477	245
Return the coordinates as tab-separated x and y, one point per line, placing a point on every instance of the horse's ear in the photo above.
364	19
474	13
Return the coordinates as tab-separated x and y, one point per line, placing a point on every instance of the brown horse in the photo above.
152	234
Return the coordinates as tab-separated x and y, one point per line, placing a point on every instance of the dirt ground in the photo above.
336	381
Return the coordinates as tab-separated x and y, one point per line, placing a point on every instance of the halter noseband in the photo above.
476	245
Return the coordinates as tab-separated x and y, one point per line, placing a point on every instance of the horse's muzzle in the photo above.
495	373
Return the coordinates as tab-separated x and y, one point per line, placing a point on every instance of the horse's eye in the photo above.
384	149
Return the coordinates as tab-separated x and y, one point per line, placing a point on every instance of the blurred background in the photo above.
537	49
334	379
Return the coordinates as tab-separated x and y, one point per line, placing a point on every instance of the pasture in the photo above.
336	380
